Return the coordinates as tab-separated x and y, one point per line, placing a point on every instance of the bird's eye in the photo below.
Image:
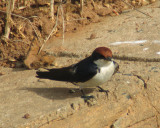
100	57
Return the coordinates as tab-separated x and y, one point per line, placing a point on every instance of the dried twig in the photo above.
10	8
27	20
54	28
144	81
63	23
52	9
81	7
32	17
92	1
8	20
136	9
12	4
139	77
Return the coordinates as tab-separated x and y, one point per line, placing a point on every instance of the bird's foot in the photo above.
90	100
102	90
86	98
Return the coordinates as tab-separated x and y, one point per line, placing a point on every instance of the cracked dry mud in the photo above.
129	104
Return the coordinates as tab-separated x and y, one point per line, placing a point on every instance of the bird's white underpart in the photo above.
106	70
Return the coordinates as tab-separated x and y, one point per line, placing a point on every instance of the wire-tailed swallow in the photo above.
90	72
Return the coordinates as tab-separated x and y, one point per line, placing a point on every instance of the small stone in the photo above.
12	59
58	34
92	36
2	73
26	116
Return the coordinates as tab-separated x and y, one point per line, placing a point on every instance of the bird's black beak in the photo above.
109	58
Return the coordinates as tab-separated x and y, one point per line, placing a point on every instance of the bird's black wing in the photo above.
85	70
80	72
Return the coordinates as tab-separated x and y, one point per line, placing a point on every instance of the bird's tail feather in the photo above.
61	74
44	75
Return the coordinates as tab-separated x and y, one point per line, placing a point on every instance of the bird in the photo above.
90	72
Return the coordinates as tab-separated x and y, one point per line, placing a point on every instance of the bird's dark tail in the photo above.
44	75
59	74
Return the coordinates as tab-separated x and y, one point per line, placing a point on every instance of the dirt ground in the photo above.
133	101
31	25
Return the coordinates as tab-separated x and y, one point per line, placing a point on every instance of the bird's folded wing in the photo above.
74	73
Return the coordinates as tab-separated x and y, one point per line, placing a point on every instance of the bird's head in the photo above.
102	56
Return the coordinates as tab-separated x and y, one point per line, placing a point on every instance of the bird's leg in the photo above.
83	94
102	90
85	97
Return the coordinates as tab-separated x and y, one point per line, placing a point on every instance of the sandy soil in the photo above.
31	24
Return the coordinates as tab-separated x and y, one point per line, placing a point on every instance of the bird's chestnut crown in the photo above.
102	52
